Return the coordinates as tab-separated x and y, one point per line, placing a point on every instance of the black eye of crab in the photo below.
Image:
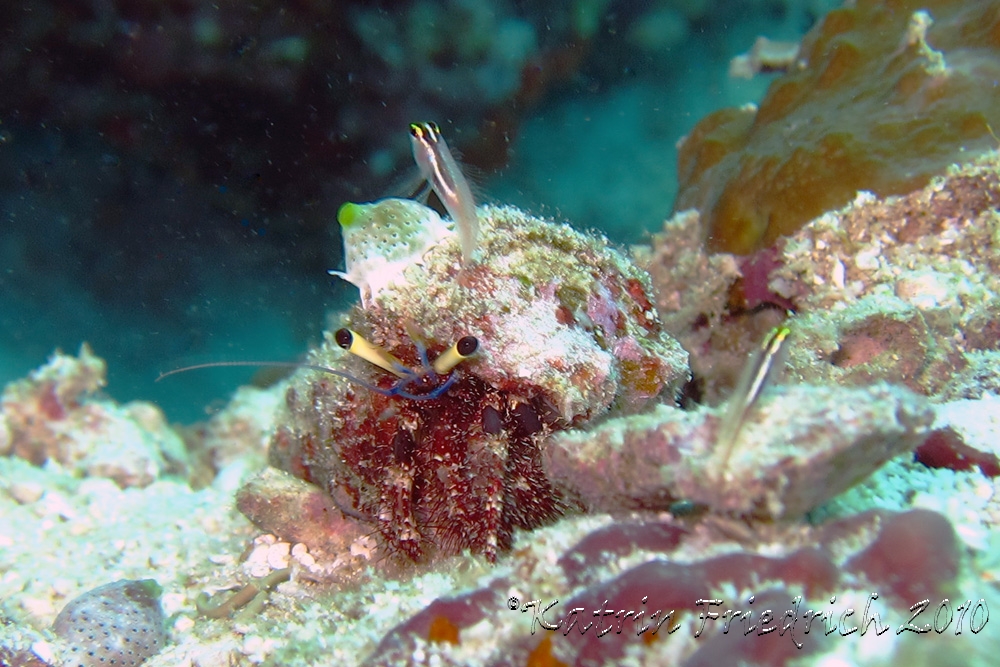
344	338
467	345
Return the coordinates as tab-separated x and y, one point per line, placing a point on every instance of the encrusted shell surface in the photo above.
381	240
553	308
567	332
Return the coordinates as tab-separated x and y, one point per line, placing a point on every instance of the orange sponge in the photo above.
886	94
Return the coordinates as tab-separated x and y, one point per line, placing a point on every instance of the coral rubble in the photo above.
805	446
657	530
655	590
900	289
486	463
298	513
884	425
53	416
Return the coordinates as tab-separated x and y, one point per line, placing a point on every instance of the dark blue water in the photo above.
170	172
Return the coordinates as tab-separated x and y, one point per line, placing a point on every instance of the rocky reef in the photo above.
863	479
53	415
900	289
844	492
518	455
828	506
882	96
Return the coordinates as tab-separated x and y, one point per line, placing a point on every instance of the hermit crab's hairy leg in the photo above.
442	172
462	496
499	480
395	518
476	491
766	363
530	500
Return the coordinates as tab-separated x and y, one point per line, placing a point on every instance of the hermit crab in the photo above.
461	359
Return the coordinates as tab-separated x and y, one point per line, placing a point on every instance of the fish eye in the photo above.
425	131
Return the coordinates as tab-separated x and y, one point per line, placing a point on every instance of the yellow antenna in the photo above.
992	134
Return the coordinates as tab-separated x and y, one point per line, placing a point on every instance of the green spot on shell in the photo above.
349	214
381	240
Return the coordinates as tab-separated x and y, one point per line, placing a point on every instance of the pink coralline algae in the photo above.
899	289
297	512
669	592
566	332
567	408
54	415
802	446
894	313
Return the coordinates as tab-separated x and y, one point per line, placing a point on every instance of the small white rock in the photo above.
256	563
183	624
277	555
923	291
173	603
364	546
867	260
44	652
302	556
838	275
26	493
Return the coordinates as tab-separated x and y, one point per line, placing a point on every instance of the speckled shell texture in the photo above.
567	332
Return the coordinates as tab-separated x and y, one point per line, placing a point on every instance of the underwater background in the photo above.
171	171
710	376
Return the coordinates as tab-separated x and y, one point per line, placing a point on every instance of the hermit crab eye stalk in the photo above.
456	354
355	343
426	382
429	381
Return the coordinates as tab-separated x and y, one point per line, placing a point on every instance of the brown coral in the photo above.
888	94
